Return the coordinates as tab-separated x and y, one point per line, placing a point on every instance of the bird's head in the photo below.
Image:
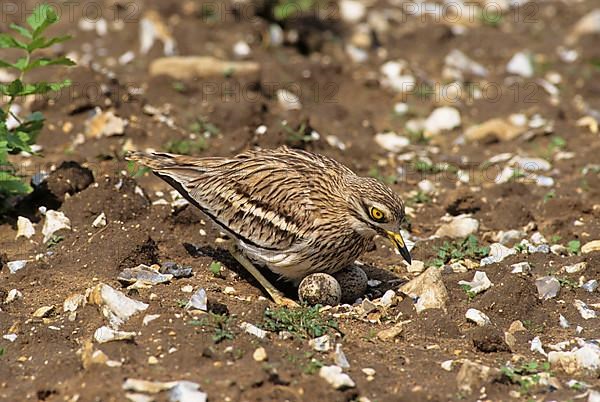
377	210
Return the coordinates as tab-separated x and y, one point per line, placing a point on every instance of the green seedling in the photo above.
574	246
220	324
22	133
302	322
216	269
459	250
186	147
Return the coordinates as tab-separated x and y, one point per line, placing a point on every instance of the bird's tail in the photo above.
154	160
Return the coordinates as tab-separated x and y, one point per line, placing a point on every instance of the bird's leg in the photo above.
275	294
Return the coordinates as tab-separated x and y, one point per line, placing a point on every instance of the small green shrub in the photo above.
13	140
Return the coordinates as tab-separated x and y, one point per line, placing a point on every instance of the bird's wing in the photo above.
267	199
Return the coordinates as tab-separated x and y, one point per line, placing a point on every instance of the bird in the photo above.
292	211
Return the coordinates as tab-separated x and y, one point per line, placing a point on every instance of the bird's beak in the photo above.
398	242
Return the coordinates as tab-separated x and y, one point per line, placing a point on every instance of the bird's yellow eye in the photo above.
376	214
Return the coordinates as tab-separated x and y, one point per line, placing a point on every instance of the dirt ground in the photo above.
345	102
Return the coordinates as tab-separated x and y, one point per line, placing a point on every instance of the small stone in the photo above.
588	24
416	267
14	266
547	287
531	165
471	375
396	76
229	290
55	221
559	249
187	391
43	312
575	268
320	288
334	376
590	285
106	334
536	346
459	227
152	360
447	365
153	27
477	317
253	330
591	246
543	181
542	248
516	326
104	124
198	67
456	267
357	53
585	312
100	221
583	360
461	62
498	252
187	289
428	289
24	228
320	344
148	318
352	11
178	271
353	282
339	357
563	322
510	340
391	141
126	58
10	337
73	302
198	301
13	295
442	118
521	64
288	101
479	283
426	186
368	306
388	298
369	372
114	305
496	128
260	354
390	333
400	108
589	122
520	268
241	49
143	276
149	387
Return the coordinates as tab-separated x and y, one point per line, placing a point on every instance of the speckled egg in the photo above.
320	288
353	281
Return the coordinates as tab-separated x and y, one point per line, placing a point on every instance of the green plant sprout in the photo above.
18	137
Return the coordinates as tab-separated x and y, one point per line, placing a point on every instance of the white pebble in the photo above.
477	317
334	376
24	228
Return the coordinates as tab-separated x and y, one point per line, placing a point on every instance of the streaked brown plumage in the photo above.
293	211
